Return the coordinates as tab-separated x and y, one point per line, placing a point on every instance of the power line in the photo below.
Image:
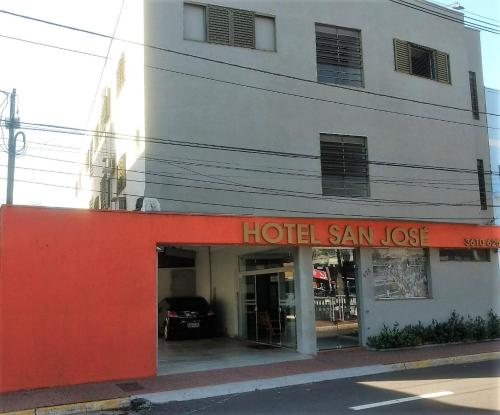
277	192
330	214
195	144
440	5
106	60
296	174
309	97
231	64
468	12
255	169
444	16
302	96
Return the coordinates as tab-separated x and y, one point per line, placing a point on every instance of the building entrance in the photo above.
267	299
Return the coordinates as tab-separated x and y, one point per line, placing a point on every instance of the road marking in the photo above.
401	400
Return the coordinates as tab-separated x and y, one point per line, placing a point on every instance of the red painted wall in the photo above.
78	287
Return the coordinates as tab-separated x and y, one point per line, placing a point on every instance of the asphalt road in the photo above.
453	389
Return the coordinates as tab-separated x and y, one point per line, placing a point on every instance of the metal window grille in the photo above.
339	56
482	184
233	27
473	95
344	166
422	62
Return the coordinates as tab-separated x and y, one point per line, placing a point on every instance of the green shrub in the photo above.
493	325
455	329
480	331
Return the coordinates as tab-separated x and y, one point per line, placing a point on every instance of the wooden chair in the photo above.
271	327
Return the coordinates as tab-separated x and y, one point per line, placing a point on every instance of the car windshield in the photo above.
188	303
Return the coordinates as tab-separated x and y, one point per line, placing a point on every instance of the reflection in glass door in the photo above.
248	307
267	302
335	297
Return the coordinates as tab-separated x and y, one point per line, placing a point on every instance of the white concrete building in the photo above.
326	109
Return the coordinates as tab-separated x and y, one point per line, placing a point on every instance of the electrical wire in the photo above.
271	209
222	62
441	5
277	192
446	17
465	11
105	61
195	144
313	98
303	173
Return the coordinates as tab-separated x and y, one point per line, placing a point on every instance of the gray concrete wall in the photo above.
190	109
469	288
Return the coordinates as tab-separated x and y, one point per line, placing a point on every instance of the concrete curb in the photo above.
252	385
75	408
263	384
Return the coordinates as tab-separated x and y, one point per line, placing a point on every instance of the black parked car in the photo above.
184	316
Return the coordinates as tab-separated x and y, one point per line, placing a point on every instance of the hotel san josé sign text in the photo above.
334	234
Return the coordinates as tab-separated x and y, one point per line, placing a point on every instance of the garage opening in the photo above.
336	302
224	306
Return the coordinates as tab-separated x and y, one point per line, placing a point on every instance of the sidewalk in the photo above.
327	365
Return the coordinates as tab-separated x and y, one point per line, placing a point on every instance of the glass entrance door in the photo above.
267	299
268	308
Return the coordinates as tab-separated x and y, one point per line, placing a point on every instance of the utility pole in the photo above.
11	148
12	125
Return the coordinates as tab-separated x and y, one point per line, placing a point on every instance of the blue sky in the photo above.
490	43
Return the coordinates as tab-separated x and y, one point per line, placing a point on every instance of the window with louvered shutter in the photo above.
218	28
232	27
344	166
339	56
473	95
401	56
243	25
421	61
120	74
442	66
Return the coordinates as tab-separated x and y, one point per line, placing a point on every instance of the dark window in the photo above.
473	95
338	54
482	184
121	174
105	193
461	254
97	203
344	166
421	61
122	203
